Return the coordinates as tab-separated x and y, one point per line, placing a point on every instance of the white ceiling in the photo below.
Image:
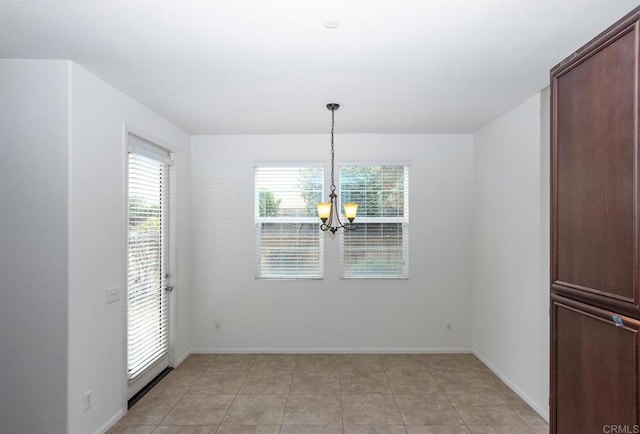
270	66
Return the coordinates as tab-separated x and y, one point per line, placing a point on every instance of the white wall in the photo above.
331	314
63	152
33	245
97	257
510	249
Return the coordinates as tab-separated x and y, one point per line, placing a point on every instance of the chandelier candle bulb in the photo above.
324	210
350	211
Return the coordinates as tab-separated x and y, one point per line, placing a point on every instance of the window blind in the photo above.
147	337
379	248
288	240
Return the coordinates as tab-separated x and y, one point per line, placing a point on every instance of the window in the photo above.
379	248
289	244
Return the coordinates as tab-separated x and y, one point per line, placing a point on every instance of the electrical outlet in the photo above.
449	325
218	325
113	294
87	400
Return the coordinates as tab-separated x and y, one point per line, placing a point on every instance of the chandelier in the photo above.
328	211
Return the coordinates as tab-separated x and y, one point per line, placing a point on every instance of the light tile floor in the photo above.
331	394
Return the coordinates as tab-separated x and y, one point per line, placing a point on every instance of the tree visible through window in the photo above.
289	244
379	248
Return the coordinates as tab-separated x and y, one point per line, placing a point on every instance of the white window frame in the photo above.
361	220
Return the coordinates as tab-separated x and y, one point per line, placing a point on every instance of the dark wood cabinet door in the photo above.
595	171
594	368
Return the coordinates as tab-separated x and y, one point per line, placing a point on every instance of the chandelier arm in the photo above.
334	206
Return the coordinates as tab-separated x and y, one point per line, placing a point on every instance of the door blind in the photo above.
147	340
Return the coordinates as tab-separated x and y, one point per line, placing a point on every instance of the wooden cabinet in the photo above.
594	368
595	172
595	233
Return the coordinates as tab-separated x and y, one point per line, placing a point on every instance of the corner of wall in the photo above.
510	250
33	303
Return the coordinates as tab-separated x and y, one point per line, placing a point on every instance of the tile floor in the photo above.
331	394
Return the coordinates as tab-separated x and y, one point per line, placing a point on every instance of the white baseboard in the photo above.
543	412
111	422
330	350
182	358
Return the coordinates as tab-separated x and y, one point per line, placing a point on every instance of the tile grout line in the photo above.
284	410
444	392
181	397
395	400
236	395
208	366
178	401
340	387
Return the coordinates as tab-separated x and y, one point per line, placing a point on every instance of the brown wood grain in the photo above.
594	186
595	237
594	368
596	171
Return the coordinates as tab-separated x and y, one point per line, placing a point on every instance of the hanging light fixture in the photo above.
328	211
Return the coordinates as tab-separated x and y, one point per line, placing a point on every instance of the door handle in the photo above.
617	320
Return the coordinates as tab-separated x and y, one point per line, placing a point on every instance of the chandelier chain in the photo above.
333	185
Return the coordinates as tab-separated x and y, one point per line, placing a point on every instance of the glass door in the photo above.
147	268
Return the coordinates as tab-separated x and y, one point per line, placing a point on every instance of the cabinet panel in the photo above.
594	160
594	368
